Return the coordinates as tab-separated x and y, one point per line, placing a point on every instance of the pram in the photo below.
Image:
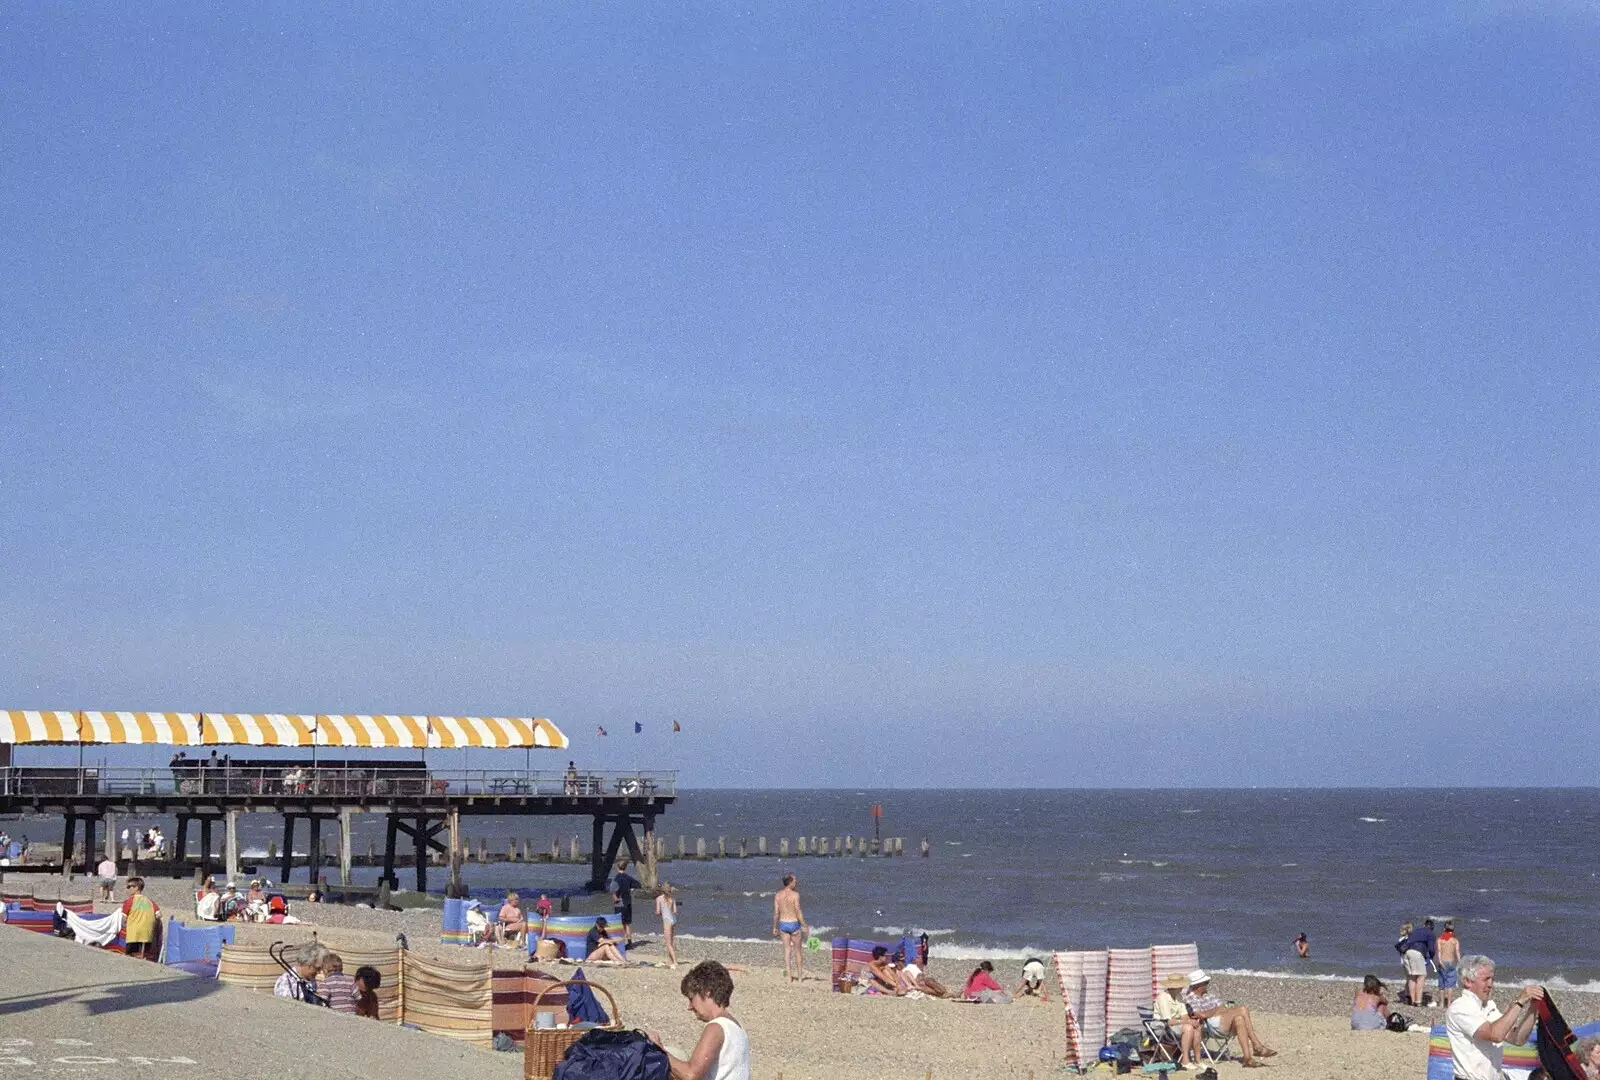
304	989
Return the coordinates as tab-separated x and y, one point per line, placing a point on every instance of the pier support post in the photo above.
288	848
180	846
111	836
421	838
314	848
345	855
205	847
391	833
454	821
651	869
231	841
597	870
66	845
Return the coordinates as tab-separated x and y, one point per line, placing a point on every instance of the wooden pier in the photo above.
423	805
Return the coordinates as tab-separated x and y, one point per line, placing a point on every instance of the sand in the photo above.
804	1030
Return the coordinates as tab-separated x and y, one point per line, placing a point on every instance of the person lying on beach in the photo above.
882	977
597	944
1171	1011
1032	984
1224	1019
723	1049
1370	1012
913	980
982	988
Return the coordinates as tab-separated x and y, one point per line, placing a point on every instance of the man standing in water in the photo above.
789	923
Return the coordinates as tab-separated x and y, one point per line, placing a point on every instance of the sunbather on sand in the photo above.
597	945
914	980
1207	1007
884	978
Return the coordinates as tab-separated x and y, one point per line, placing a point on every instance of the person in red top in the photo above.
982	987
141	922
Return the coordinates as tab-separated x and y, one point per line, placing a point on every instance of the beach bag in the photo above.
1396	1022
614	1055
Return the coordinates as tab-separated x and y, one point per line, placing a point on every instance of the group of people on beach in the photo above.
1421	949
1192	1013
316	976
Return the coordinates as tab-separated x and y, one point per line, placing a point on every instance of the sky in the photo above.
924	394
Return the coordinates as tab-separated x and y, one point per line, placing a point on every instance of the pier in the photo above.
423	805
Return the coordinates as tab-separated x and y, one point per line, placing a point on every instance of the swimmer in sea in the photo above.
1302	947
789	923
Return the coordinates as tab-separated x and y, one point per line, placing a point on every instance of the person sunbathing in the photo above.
881	975
1225	1019
1370	1011
913	980
597	944
512	921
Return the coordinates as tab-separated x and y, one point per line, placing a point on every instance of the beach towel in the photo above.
454	1002
1082	976
514	995
570	930
29	918
1129	986
98	930
583	1007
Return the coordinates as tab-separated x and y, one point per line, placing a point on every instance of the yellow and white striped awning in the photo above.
258	729
29	726
161	728
281	729
377	732
457	732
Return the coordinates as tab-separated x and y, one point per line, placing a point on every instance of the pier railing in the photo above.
380	780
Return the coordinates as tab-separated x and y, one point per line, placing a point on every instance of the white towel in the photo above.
99	930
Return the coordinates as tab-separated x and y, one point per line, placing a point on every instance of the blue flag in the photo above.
637	727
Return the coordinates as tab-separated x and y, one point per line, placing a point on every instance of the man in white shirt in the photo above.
1477	1027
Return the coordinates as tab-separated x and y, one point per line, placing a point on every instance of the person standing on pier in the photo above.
789	923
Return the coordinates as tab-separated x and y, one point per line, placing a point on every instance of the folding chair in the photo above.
1162	1043
1216	1045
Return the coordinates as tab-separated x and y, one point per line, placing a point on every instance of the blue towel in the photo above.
582	1005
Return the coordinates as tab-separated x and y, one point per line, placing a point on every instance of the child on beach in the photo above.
542	909
723	1050
140	920
982	988
667	908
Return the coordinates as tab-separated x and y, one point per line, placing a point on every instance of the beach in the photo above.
804	1030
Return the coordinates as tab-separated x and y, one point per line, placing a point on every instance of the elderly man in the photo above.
1221	1019
1477	1027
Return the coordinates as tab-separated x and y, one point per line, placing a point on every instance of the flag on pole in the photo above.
637	727
601	730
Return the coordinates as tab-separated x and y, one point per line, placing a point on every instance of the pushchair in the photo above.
304	989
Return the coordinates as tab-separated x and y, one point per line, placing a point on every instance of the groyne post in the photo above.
800	845
761	844
700	847
783	847
822	845
722	847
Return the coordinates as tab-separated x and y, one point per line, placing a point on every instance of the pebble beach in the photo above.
804	1030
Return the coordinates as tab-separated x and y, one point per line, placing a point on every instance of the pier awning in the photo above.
160	728
361	731
38	726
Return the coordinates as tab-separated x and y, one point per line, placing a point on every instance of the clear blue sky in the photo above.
932	393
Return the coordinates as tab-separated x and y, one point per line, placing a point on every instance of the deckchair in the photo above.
1164	1043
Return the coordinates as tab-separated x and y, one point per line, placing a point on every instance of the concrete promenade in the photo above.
70	1010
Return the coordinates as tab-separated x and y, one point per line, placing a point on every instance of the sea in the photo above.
1014	873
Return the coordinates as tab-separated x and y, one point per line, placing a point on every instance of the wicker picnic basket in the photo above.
545	1047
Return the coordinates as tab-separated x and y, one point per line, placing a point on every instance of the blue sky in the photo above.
936	394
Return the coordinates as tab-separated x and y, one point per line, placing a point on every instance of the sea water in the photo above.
1241	872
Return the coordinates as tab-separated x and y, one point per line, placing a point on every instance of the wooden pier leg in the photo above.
89	825
391	832
111	837
345	855
230	855
421	838
651	868
66	845
576	855
456	842
180	846
314	849
288	847
597	868
205	847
